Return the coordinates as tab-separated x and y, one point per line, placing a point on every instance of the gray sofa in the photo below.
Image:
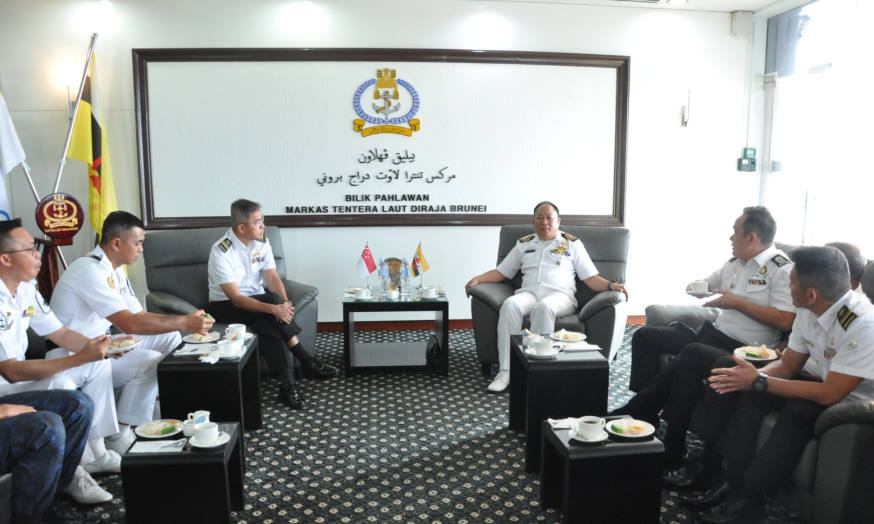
834	477
176	264
600	315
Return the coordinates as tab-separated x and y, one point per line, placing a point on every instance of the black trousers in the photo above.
766	469
649	343
676	391
273	335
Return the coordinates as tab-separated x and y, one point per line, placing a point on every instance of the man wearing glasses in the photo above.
21	306
241	266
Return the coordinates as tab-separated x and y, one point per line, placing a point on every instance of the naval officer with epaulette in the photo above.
550	261
752	293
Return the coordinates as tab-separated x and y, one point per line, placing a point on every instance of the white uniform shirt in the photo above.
26	308
839	340
762	280
91	290
231	261
552	264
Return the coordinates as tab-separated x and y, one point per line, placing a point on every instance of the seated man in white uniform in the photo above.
94	293
550	261
22	306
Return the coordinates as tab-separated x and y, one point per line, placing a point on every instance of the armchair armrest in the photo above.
845	412
692	316
602	300
171	303
492	294
300	294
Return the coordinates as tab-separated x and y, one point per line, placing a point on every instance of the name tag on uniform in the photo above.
529	251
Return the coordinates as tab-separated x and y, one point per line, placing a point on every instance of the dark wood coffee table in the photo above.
572	384
229	389
359	355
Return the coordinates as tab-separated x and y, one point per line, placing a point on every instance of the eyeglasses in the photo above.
259	222
34	249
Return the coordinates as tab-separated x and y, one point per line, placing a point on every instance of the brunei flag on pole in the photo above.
88	144
420	263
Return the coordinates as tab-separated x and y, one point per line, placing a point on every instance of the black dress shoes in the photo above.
739	508
319	370
708	498
290	396
684	476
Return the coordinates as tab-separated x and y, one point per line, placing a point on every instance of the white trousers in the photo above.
543	308
94	379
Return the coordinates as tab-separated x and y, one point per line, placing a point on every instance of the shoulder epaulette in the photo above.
779	260
95	257
569	236
224	245
263	238
732	259
846	317
526	239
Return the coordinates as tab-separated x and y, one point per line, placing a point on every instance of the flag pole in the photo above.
75	112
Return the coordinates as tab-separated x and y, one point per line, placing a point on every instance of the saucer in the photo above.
531	353
235	356
597	440
705	294
222	439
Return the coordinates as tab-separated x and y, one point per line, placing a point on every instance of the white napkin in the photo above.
210	358
194	349
580	346
158	446
563	423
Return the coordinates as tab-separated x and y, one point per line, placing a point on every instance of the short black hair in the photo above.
117	223
241	210
822	268
6	227
855	259
760	221
547	202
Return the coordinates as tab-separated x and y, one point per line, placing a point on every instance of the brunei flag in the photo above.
420	263
88	144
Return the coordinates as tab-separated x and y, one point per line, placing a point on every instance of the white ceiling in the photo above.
689	5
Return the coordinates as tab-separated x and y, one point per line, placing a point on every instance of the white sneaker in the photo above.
501	382
121	444
85	489
110	462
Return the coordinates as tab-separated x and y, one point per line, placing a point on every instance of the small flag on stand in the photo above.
366	265
420	263
11	154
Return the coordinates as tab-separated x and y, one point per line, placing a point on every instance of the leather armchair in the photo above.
600	315
176	266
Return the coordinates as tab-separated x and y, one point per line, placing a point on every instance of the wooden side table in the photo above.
611	482
193	485
572	384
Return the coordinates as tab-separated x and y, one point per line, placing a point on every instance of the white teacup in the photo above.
362	293
529	340
235	329
229	348
590	427
699	286
543	346
188	427
206	433
429	292
198	417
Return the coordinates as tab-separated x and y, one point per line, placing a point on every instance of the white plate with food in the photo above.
567	336
352	290
197	338
629	428
166	427
756	354
121	343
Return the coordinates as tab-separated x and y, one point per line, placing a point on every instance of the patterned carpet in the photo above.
396	445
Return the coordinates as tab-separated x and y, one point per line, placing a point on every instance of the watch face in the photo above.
761	383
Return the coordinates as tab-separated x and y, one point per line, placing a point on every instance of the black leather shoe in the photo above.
684	476
738	508
319	370
290	396
708	498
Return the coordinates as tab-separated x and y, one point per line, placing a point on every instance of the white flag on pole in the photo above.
11	154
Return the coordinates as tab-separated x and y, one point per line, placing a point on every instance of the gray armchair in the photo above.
832	482
176	264
601	316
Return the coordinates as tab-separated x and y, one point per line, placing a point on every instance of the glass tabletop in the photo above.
354	294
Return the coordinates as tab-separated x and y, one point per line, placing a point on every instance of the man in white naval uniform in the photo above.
94	293
21	306
550	262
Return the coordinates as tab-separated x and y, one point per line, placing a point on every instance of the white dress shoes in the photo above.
110	462
501	382
121	444
85	490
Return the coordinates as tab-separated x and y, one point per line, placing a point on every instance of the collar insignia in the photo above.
853	345
110	281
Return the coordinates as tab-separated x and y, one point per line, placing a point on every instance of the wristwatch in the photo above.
761	383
